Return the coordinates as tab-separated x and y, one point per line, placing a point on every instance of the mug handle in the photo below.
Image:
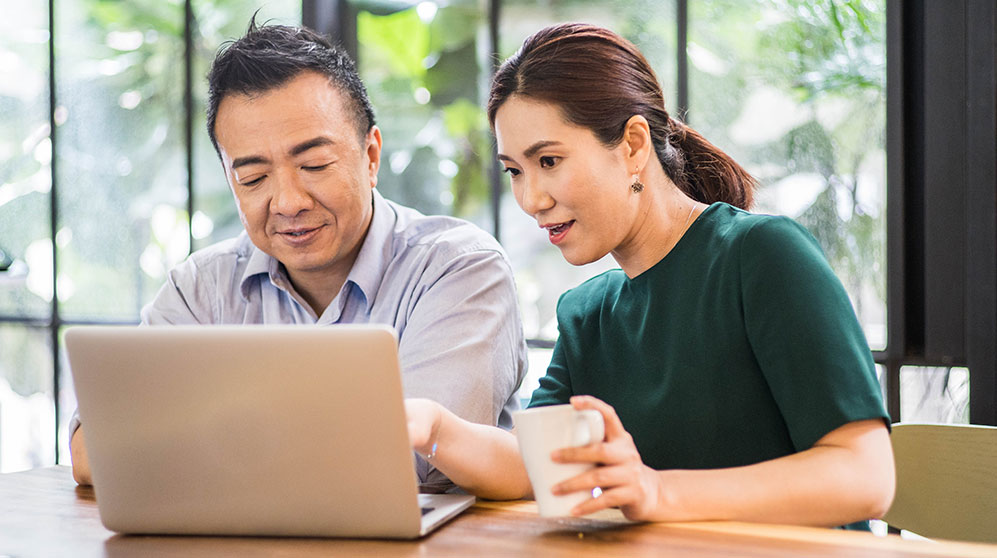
589	427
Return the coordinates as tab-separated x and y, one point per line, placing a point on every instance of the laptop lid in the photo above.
248	430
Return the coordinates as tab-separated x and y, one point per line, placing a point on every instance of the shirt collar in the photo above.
367	270
376	253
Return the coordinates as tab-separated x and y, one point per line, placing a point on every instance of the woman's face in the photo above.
576	188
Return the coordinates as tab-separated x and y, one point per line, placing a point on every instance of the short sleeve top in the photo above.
740	346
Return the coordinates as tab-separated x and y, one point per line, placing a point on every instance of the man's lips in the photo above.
299	233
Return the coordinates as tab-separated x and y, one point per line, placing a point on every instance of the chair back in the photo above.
946	481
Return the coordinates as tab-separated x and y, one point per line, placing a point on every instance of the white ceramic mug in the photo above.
540	431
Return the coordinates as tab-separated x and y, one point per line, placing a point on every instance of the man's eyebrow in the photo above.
310	144
251	160
295	151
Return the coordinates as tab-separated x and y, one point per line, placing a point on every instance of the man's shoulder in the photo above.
225	254
444	236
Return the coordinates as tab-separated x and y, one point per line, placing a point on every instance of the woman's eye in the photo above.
547	162
511	171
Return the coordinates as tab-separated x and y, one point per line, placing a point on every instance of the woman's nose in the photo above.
534	198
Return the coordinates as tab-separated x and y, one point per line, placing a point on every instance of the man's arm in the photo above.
462	345
483	460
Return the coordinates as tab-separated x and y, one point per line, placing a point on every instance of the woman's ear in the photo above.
637	139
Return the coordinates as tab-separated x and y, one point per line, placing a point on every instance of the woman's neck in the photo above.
664	213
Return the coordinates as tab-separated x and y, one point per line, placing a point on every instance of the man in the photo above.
295	133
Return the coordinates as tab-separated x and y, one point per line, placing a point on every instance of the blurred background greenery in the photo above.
793	89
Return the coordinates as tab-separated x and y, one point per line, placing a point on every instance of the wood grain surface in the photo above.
44	513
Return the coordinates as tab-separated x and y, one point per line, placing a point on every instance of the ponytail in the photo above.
702	170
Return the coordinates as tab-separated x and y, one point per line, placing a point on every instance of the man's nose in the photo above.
290	195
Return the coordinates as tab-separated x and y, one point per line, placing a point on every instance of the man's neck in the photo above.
319	289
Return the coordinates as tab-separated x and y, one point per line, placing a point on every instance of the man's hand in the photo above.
78	452
423	424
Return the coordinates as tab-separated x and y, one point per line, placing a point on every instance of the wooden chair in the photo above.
946	481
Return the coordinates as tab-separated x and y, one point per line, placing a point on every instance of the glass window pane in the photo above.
934	395
423	67
26	152
120	155
539	360
215	217
541	272
796	92
27	410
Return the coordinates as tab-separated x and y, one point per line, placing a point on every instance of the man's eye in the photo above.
546	162
254	181
511	171
316	167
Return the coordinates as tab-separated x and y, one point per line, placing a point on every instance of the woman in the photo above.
725	357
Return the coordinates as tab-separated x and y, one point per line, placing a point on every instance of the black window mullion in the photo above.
682	59
188	106
54	222
494	172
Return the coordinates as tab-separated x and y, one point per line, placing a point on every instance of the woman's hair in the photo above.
600	80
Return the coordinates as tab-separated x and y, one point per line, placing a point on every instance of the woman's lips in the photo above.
558	231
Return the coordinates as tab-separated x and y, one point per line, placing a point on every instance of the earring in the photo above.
637	185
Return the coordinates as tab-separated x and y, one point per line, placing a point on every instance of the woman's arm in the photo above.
483	460
846	476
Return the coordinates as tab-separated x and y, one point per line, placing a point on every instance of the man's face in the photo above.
301	176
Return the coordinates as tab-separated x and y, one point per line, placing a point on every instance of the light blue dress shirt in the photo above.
445	285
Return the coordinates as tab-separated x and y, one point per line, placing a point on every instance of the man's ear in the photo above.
373	154
637	139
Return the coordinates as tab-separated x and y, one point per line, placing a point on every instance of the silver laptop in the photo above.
250	430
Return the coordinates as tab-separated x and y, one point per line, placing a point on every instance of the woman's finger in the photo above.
612	498
614	427
606	453
601	477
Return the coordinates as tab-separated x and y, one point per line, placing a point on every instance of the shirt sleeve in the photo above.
183	299
463	343
804	333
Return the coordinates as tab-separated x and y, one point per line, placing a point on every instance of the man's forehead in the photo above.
297	112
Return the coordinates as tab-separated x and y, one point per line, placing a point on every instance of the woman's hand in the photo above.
423	420
625	481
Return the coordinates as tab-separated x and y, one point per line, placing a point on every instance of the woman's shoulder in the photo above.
591	294
760	232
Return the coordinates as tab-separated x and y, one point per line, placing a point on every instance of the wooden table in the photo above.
44	513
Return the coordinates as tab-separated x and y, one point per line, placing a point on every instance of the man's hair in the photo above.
269	56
